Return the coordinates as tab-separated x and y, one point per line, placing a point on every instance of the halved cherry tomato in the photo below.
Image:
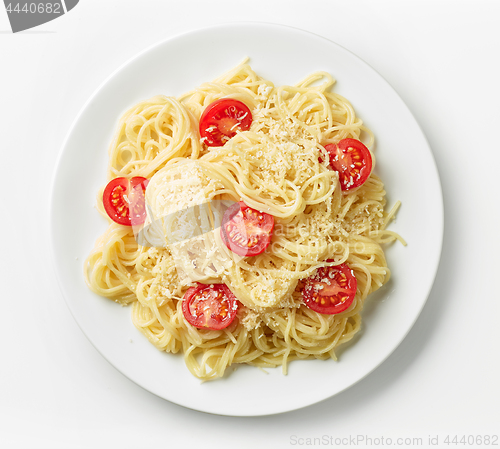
352	160
222	119
331	290
246	231
210	306
124	200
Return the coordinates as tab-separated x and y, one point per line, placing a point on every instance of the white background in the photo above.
442	57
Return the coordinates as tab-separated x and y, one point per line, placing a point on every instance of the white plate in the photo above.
283	55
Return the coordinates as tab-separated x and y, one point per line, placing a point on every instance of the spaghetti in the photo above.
278	166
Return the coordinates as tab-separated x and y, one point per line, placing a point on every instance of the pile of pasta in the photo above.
278	166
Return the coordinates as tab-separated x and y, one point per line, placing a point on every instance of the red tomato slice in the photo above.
352	160
246	231
124	200
222	119
210	306
331	290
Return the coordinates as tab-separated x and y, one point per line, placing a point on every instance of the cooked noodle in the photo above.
273	167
